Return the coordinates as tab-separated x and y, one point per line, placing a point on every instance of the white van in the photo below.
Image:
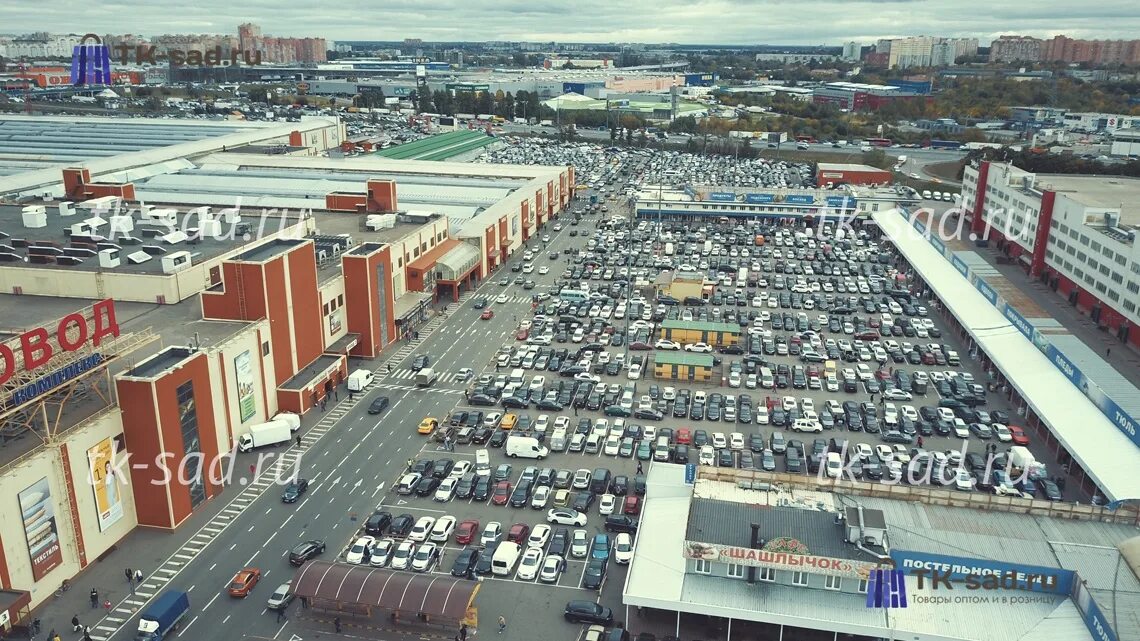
833	467
516	376
558	439
526	447
359	380
661	450
767	381
482	463
505	558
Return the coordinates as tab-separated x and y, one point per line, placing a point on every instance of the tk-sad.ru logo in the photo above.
90	62
886	589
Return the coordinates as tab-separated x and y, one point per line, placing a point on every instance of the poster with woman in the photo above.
107	486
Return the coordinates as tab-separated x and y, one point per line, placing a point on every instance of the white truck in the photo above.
425	377
359	380
1020	457
265	435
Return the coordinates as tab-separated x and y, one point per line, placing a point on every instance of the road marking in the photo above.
212	601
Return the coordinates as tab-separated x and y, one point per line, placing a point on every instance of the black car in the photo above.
423	467
442	468
294	490
521	495
620	486
498	439
402	525
482	490
426	486
514	402
502	473
639	485
465	486
481	400
559	542
378	522
582	501
621	523
305	551
588	612
595	574
1049	489
681	454
483	565
420	361
725	458
378	404
482	435
465	562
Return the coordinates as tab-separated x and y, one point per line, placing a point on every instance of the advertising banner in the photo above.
957	569
960	265
722	197
799	199
243	374
1018	321
38	512
760	199
779	560
1113	412
845	202
986	291
104	482
938	244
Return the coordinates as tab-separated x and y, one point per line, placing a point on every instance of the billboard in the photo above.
845	202
243	375
38	512
960	265
957	569
104	482
799	199
759	199
795	560
1113	412
722	196
986	291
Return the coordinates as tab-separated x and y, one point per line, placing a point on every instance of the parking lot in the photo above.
835	360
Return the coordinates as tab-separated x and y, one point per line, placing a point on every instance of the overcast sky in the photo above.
684	21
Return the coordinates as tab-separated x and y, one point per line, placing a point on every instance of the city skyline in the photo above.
672	21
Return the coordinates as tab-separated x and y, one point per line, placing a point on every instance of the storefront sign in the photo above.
960	265
799	199
38	512
778	560
759	199
55	379
35	348
986	291
940	569
1097	624
1018	321
722	197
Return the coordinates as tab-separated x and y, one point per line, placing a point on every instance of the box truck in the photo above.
163	616
425	377
526	447
265	435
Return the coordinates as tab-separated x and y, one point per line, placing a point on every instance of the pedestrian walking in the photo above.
1061	483
36	627
280	615
920	441
410	463
463	632
336	624
1107	352
336	397
298	440
75	627
138	576
94	598
389	368
575	410
130	574
502	623
86	634
350	395
639	467
252	468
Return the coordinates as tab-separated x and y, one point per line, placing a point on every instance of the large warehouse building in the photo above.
171	297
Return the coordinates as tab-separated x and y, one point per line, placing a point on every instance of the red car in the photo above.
502	493
1019	435
487	314
518	533
632	505
466	531
243	582
522	335
684	436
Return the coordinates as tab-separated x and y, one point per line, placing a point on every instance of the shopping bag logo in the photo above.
90	62
886	589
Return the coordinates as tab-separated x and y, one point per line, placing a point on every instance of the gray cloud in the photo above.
681	21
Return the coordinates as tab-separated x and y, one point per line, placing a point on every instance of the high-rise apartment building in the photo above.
1015	49
852	51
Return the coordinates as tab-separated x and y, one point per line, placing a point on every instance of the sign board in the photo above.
690	473
986	291
722	197
957	569
759	199
1018	321
34	349
799	199
845	202
938	244
105	482
778	560
1097	623
1123	421
40	530
960	265
244	379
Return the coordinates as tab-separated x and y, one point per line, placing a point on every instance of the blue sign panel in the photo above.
799	199
971	574
845	202
722	196
960	265
690	473
938	244
55	379
1018	321
1097	623
759	199
986	291
1123	421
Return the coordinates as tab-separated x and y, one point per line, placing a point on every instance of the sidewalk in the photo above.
146	549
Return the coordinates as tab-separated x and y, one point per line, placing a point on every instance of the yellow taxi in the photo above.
428	425
509	421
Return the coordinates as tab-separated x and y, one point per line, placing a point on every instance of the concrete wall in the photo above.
226	404
334	324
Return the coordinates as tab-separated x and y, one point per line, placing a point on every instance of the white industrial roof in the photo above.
1106	454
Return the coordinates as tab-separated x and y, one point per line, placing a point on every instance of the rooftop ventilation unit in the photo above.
35	217
138	258
174	237
67	208
110	258
175	262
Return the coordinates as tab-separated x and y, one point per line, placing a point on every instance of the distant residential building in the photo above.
1101	52
795	58
39	45
852	51
274	49
877	58
577	63
1015	49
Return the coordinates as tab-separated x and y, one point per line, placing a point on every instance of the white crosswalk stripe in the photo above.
405	374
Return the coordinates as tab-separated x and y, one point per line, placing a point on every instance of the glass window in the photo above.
191	442
735	571
265	348
832	582
766	574
701	566
863	586
799	578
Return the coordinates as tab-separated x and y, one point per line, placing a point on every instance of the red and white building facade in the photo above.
1077	234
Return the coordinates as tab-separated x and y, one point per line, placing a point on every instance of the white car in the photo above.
736	441
360	550
540	497
1001	432
443	529
961	430
542	271
606	504
422	529
896	394
788	403
884	452
707	455
963	480
560	422
425	556
446	489
566	516
402	557
461	468
719	441
581	479
623	548
539	536
579	544
612	446
492	533
863	451
909	412
762	417
945	414
382	552
666	344
703	348
551	569
669	393
502	298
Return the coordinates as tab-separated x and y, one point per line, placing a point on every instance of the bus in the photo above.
879	142
574	295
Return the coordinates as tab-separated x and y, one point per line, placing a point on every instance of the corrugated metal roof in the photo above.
700	326
1099	371
691	359
1114	587
729	523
